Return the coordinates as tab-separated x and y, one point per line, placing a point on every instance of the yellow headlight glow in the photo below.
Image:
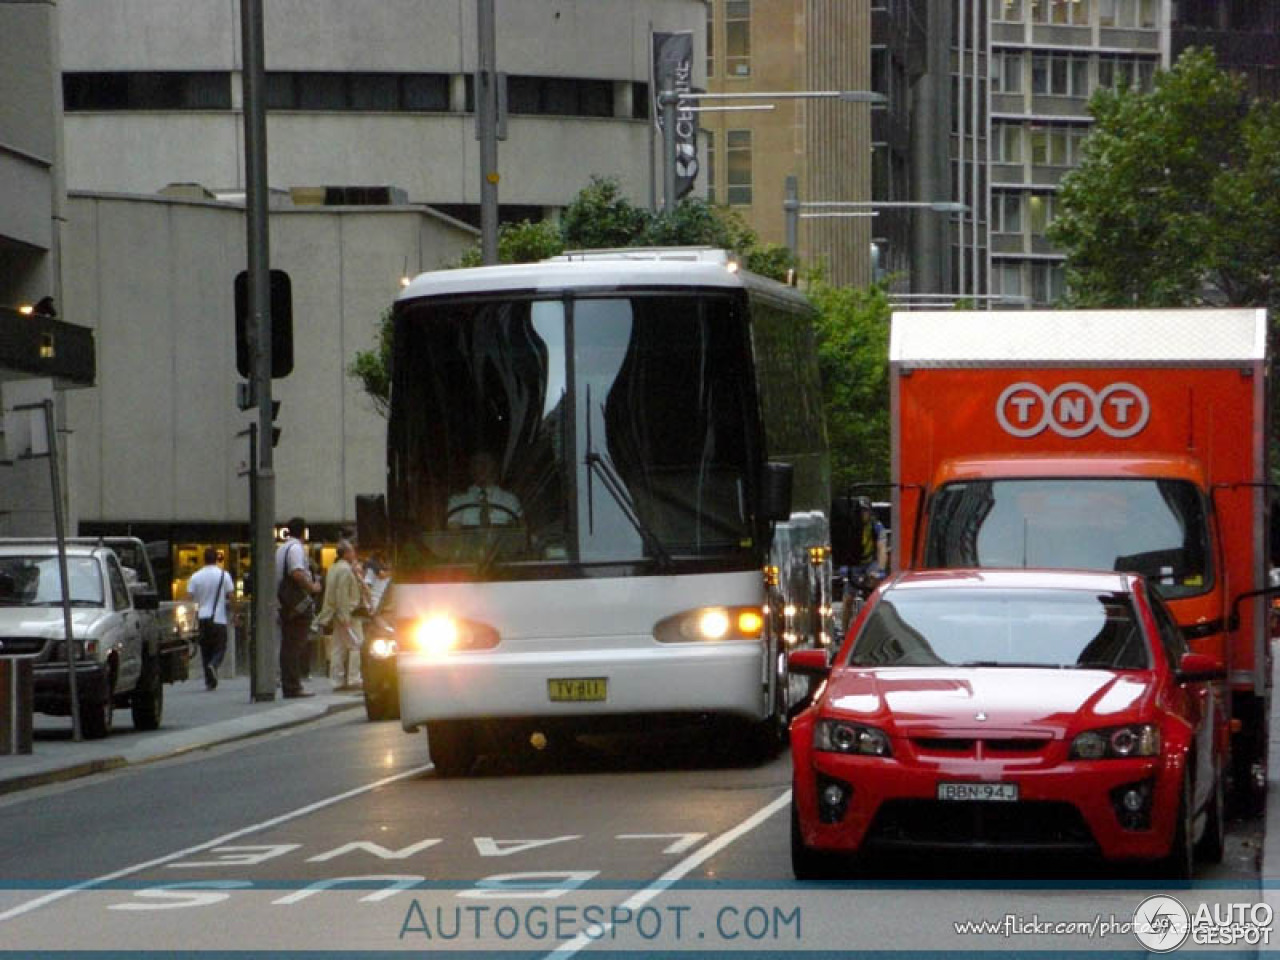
713	624
435	635
750	623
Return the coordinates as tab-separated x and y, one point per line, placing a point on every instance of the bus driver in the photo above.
484	503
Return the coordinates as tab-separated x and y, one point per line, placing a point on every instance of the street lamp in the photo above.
670	100
792	205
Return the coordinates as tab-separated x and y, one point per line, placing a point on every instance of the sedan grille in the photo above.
934	823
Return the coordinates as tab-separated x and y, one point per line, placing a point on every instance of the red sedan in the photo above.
1019	710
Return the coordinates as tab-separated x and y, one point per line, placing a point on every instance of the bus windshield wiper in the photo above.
613	483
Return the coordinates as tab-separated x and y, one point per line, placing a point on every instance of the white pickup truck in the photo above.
123	654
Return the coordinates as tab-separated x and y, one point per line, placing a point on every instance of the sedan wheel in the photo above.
1181	862
806	862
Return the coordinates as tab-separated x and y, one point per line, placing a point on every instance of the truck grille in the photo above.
20	646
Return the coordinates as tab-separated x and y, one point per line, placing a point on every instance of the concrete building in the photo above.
365	93
766	46
158	443
42	352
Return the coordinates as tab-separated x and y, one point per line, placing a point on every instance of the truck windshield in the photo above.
30	581
1002	628
1153	527
510	417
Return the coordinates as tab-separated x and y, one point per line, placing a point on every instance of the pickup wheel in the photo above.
96	715
147	702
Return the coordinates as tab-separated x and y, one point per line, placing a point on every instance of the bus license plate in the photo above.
578	689
990	792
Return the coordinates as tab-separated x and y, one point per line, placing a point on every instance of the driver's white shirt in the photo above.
465	508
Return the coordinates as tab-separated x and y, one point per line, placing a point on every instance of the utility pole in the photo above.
791	210
262	490
486	87
668	99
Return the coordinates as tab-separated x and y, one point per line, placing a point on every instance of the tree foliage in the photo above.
853	352
1175	202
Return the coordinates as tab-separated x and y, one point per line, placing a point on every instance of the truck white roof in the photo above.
947	338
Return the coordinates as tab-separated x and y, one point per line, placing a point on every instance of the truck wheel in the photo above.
451	744
147	702
96	715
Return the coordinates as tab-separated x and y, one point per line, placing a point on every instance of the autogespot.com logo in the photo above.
1161	923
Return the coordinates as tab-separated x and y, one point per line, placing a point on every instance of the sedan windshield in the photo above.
1002	628
1153	527
28	581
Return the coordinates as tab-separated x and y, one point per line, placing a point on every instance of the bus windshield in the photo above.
612	429
1154	527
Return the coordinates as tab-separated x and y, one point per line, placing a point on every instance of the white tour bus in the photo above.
607	485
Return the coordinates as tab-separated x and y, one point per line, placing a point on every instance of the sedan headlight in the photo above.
1133	740
85	650
841	736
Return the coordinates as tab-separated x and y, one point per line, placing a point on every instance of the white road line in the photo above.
668	879
219	841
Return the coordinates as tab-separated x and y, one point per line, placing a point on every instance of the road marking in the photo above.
668	879
219	841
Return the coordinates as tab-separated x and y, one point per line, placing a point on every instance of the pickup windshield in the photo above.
34	581
1153	527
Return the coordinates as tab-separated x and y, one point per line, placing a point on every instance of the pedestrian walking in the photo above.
209	587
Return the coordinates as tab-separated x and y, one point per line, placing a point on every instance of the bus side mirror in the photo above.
775	492
371	520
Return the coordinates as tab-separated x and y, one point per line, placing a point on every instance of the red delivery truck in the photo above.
1130	440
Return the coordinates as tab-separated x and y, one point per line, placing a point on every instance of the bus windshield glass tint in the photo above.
549	431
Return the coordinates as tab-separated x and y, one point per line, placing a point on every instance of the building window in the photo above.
1060	74
709	138
146	91
364	92
1131	72
738	164
1006	71
1046	283
1040	206
737	38
1129	13
1008	142
561	97
1006	213
1010	11
711	39
1008	278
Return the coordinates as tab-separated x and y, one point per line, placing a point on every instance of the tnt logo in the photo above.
1073	410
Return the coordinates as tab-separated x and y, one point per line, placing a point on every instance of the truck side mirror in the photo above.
144	598
371	520
775	492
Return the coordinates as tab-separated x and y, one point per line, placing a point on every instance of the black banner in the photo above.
673	69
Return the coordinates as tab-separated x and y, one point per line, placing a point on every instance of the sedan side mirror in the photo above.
810	662
1199	668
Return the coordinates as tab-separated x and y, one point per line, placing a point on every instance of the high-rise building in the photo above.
793	46
1245	35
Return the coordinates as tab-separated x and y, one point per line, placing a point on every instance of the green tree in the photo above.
600	217
373	367
852	327
1175	200
525	242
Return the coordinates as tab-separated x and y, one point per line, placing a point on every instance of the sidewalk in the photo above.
193	718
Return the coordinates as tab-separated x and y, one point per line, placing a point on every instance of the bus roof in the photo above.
1120	337
595	272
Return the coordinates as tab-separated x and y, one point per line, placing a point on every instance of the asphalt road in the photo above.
338	838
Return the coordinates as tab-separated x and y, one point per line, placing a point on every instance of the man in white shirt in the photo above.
209	587
484	503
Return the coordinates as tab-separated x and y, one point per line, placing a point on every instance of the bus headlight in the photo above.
709	624
438	635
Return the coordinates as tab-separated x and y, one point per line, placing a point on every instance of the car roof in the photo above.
1006	579
42	547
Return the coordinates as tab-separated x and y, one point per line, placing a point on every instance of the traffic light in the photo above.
281	325
275	431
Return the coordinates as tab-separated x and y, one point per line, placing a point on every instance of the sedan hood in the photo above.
919	700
